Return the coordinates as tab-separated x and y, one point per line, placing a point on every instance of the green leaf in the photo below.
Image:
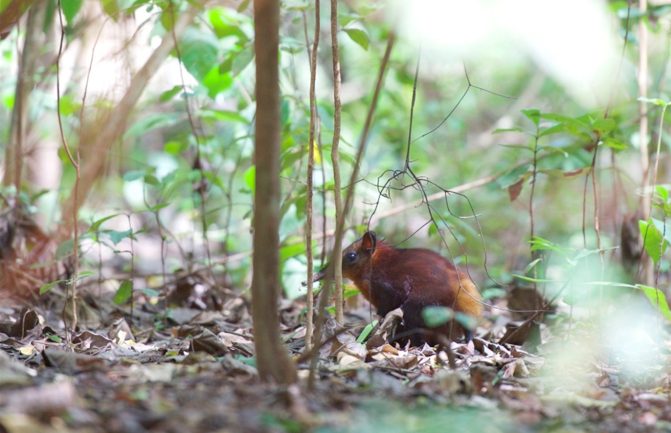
241	59
84	274
117	237
565	174
65	249
663	193
150	179
175	147
665	230
168	18
538	243
435	316
603	126
111	8
285	111
493	293
466	320
531	265
552	149
243	6
151	122
534	280
132	175
169	94
216	82
658	102
657	299
68	106
533	115
652	239
47	287
159	206
291	251
366	331
4	4
516	129
517	146
613	143
358	36
250	178
96	225
223	115
552	130
513	176
124	292
199	52
226	24
54	338
151	292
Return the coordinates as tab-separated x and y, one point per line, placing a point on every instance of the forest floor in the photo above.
191	368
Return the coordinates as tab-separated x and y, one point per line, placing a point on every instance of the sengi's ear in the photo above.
368	241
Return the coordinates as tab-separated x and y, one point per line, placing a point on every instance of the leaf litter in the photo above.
192	369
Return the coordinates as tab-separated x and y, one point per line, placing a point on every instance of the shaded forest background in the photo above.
537	160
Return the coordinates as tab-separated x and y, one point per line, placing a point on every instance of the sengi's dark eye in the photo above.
350	258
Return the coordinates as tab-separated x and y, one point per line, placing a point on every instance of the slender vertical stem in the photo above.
337	194
311	167
75	164
348	202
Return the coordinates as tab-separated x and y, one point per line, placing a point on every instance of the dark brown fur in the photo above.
410	279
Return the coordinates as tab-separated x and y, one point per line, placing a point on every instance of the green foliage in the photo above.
359	36
436	316
124	292
366	331
70	9
45	288
154	174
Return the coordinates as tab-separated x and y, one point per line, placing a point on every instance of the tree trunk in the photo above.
25	83
272	360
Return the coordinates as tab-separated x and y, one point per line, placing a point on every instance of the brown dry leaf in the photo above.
516	368
93	343
208	342
181	316
68	362
453	381
22	423
387	348
515	189
231	339
13	372
27	322
234	366
346	342
50	400
120	331
406	362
